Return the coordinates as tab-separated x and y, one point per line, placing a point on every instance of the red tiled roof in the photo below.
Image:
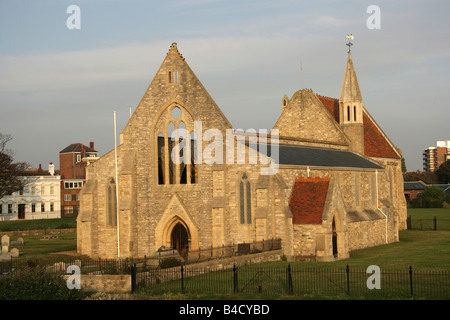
375	144
77	147
332	105
308	200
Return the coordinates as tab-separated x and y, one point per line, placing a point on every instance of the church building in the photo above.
326	180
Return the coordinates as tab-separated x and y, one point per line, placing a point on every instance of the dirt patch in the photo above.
69	253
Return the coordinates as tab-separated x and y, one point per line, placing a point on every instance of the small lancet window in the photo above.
348	113
174	77
245	201
112	203
354	113
161	158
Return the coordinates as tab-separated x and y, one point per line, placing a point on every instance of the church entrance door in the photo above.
179	239
334	239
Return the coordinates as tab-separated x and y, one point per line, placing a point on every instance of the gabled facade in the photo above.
337	185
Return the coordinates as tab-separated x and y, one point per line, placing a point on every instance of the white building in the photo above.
40	199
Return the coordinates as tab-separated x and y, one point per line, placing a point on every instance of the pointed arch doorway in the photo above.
334	239
179	239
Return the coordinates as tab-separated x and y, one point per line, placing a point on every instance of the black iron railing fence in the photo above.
298	281
222	252
431	223
163	259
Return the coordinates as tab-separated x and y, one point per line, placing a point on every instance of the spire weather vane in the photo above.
349	44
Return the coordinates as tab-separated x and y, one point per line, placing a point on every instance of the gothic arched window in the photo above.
175	150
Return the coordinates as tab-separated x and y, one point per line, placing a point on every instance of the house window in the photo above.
52	207
245	201
33	207
67	197
9	208
73	185
68	210
1	208
112	204
42	207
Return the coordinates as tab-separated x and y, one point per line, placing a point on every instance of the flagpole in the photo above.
117	187
301	75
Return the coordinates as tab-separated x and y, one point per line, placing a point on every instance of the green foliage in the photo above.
443	173
33	283
431	197
169	263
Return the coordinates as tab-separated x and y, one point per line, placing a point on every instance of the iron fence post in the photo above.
133	278
182	278
411	279
290	286
235	279
348	279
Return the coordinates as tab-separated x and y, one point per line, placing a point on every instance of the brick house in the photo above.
73	161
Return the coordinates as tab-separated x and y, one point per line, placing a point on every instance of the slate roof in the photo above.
318	157
414	185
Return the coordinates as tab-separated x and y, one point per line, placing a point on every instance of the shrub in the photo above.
431	197
36	284
169	263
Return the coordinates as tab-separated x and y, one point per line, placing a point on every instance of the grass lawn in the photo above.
429	213
38	224
36	248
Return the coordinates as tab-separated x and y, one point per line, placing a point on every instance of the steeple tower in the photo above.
351	108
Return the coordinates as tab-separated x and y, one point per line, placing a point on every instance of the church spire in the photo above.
350	88
351	107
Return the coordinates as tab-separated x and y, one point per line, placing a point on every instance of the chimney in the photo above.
91	145
83	152
51	168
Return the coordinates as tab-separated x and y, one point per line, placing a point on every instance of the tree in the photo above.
10	172
428	177
443	173
431	197
403	165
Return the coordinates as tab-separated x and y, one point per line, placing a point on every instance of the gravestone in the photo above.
15	253
5	243
5	255
17	242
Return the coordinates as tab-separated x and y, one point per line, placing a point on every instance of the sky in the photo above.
61	85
